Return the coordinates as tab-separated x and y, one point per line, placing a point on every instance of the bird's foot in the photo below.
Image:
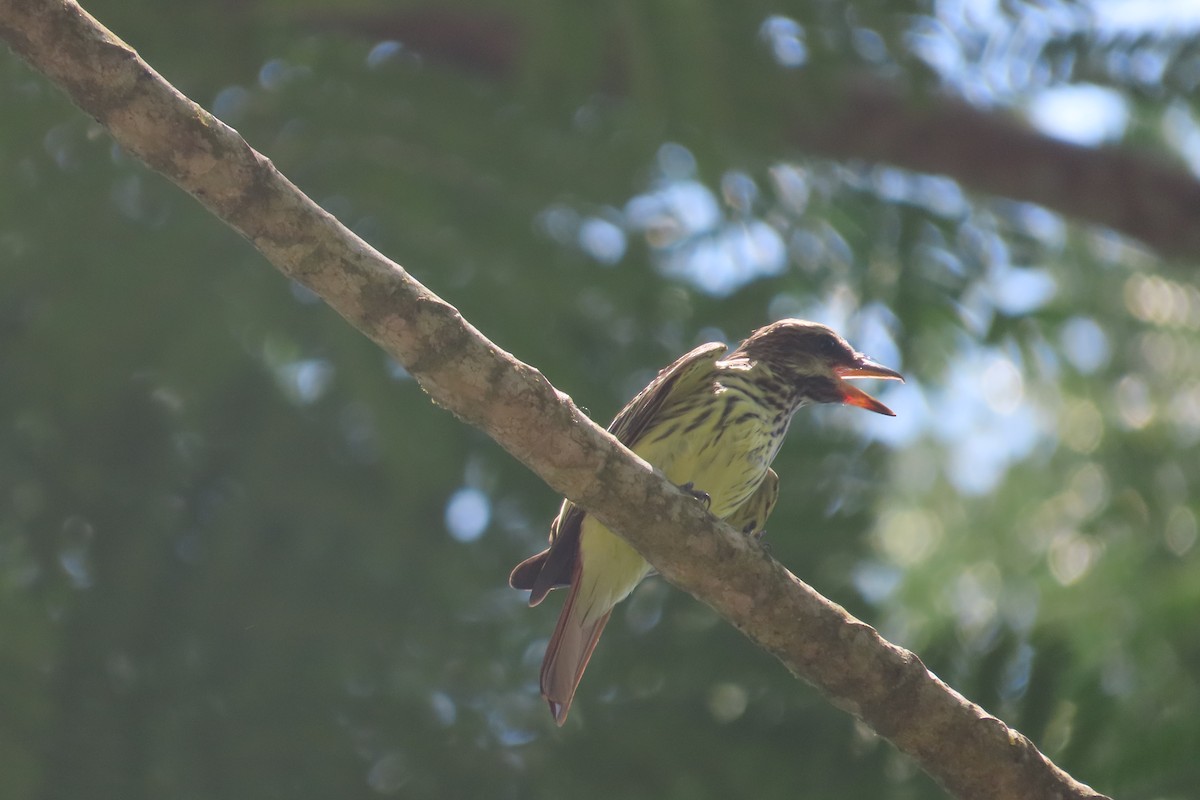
703	497
757	533
752	530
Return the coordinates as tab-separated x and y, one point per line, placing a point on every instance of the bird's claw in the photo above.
703	497
756	533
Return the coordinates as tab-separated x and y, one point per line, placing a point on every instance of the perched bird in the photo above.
713	425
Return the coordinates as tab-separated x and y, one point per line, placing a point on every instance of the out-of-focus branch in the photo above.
1129	192
1133	193
973	754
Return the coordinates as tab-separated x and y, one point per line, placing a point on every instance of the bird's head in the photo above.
815	363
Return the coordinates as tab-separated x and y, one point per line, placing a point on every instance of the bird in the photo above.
712	423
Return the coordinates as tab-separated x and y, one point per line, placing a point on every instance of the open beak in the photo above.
864	367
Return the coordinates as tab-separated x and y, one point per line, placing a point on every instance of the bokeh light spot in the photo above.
1135	409
727	702
1085	344
908	536
1181	530
305	381
1082	426
785	37
1003	388
382	53
389	773
1071	555
602	240
445	710
468	513
1080	113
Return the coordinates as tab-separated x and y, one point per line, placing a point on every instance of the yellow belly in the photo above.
729	467
611	569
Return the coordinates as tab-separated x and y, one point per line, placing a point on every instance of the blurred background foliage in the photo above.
241	554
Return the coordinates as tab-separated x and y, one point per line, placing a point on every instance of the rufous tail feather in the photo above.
568	652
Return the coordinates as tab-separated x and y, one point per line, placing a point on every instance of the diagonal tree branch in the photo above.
971	753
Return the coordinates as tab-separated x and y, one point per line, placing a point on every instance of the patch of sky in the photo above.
1019	290
994	54
784	37
306	380
1084	344
383	52
674	211
876	581
389	773
509	719
277	73
603	240
231	103
691	237
1034	221
984	418
1182	132
675	161
468	512
1132	17
1082	114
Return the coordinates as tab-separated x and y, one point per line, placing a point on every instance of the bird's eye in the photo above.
828	346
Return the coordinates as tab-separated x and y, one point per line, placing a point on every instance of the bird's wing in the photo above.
552	568
687	374
751	516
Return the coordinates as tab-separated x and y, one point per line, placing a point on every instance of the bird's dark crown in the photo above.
797	362
796	348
